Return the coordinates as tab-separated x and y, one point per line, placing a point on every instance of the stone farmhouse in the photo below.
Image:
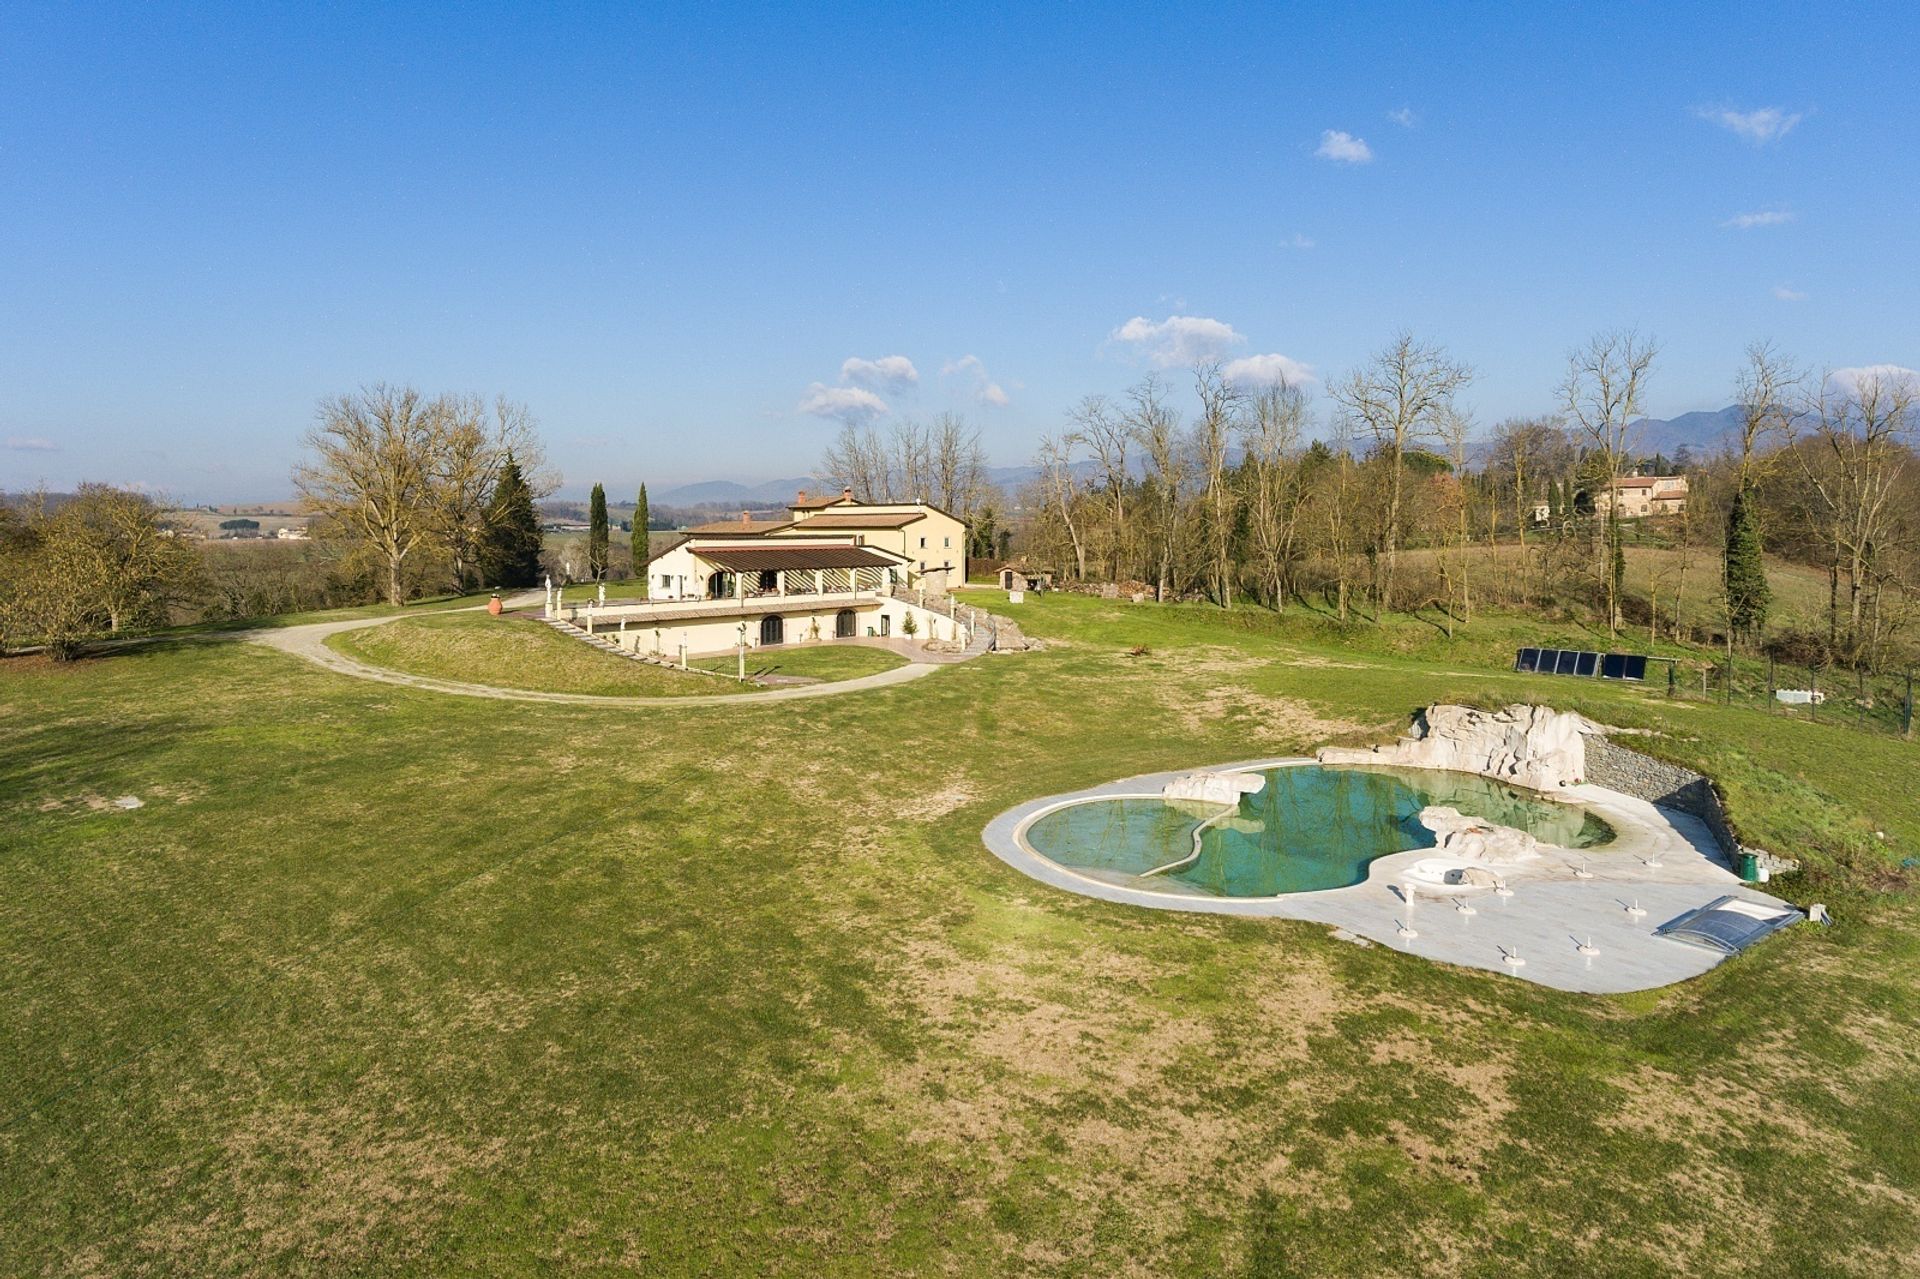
1643	495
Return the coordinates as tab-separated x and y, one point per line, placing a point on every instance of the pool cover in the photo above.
1728	924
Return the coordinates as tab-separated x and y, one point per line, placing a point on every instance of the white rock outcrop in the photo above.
1532	746
1213	788
1476	840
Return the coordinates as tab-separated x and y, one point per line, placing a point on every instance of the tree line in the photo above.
1392	503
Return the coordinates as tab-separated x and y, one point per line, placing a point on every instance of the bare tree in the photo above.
958	467
1104	433
1155	428
857	459
1769	391
475	441
1213	433
1060	491
377	456
1605	384
1527	451
1854	466
1402	397
1270	445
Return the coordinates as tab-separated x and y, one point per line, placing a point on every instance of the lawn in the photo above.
813	661
380	981
515	652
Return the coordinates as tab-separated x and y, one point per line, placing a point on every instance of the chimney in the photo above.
802	499
746	519
847	492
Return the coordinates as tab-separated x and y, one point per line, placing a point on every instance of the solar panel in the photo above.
1572	661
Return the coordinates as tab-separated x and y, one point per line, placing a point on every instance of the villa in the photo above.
835	569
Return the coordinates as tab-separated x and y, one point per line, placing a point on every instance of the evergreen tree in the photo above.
640	521
510	552
597	534
1744	571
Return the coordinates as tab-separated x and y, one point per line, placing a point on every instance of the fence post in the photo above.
1673	679
1727	696
1813	688
1906	717
1770	685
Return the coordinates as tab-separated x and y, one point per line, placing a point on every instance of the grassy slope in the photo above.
515	652
823	661
381	981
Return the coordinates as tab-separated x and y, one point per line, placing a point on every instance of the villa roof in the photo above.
853	519
748	559
819	501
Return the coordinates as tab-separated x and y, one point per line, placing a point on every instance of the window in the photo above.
946	543
923	543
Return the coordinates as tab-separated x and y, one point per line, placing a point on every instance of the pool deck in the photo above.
1551	913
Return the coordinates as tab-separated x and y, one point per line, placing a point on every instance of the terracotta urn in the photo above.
493	605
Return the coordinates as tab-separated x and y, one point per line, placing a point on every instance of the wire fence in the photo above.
1871	702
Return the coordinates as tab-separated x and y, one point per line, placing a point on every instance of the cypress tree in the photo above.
597	534
510	555
639	573
1744	571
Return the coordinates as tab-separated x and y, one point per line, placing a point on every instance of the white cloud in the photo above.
1785	294
888	373
1179	340
1341	146
1760	126
851	404
985	389
1268	370
1404	117
1765	217
31	444
1296	241
1849	381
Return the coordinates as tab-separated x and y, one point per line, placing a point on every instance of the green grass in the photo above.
387	982
820	661
515	652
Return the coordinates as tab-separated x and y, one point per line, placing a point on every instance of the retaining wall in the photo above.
1620	768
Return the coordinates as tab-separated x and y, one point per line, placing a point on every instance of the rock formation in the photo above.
1213	788
1471	839
1531	746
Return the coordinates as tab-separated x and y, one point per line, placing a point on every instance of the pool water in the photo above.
1309	828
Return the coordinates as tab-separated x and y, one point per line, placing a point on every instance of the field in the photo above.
516	652
815	661
381	981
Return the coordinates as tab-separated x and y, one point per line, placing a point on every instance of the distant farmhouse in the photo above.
1643	495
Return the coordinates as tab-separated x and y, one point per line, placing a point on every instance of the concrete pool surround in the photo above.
1584	919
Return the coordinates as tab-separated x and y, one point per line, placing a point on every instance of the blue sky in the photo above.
668	232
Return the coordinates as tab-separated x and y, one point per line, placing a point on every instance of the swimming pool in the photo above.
1308	828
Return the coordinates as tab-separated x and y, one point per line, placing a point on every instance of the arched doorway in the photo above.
771	630
720	586
843	624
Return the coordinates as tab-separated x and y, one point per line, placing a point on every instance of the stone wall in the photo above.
1617	767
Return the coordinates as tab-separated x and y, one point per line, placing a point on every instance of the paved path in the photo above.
1549	915
310	642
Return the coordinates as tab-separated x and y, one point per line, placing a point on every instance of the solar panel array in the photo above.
1571	661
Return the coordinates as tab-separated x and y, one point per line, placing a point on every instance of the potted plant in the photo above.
493	605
